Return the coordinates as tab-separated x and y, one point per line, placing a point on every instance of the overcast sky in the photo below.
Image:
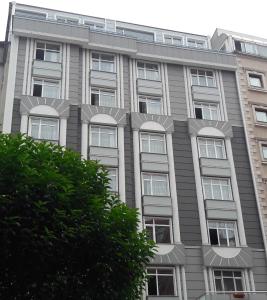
194	16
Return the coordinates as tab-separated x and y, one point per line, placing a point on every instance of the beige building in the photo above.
251	54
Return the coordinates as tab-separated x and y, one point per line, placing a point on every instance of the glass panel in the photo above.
152	75
157	144
202	81
231	238
213	237
107	66
152	285
95	65
147	187
149	231
154	107
226	194
208	191
264	152
218	285
145	145
35	129
228	284
162	221
239	285
222	237
211	150
163	234
50	91
107	99
52	56
94	99
166	287
255	81
37	90
210	81
194	80
261	116
39	54
216	190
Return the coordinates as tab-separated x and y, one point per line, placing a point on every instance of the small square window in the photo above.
255	80
261	116
264	151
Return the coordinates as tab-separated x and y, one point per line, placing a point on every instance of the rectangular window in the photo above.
173	40
100	97
207	111
196	43
155	184
67	20
264	151
159	229
47	52
45	88
113	176
161	282
211	148
94	26
203	78
44	128
222	233
139	35
228	280
30	14
153	143
148	71
103	62
261	115
217	188
255	80
245	47
150	105
103	136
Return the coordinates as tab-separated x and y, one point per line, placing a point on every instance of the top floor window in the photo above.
94	26
139	35
103	62
148	71
173	40
67	20
246	47
203	77
195	43
47	52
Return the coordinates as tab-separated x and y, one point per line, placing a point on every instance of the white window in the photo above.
196	43
148	71
261	115
264	151
245	47
211	148
150	105
173	40
228	280
113	176
153	143
203	77
159	229
161	282
255	80
207	111
102	97
47	52
155	184
103	62
94	26
222	233
217	188
103	136
44	128
45	88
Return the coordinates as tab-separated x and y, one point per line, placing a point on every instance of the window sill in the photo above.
153	80
103	71
49	61
255	89
209	199
262	124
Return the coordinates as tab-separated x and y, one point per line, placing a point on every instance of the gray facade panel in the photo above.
75	73
129	164
246	190
194	273
74	129
231	98
126	83
260	270
20	67
185	180
177	92
16	117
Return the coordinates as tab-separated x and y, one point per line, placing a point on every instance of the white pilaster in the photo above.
84	76
166	82
200	199
84	141
63	132
24	124
252	283
87	74
29	78
63	80
118	90
212	288
176	225
206	280
247	284
121	163
184	282
121	82
241	229
163	80
26	67
67	71
178	282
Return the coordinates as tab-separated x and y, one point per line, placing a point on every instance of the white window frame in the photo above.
206	77
223	228
42	80
173	37
258	75
209	106
196	41
219	181
212	143
154	225
148	100
101	91
145	70
152	181
41	118
222	277
262	145
99	135
45	50
116	178
157	282
260	109
150	137
100	61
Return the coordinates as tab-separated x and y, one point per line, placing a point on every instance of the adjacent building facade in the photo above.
161	110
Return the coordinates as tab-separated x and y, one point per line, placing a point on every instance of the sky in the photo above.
194	16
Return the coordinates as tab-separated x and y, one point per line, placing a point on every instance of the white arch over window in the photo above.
210	131
152	126
103	118
44	110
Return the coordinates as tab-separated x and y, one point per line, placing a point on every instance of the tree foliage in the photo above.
63	235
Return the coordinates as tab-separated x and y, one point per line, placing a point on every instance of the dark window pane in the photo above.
218	285
148	220
152	285
151	271
237	274
162	221
165	271
217	273
37	90
166	287
238	46
94	99
142	107
149	231
198	112
239	286
213	236
163	235
228	284
39	54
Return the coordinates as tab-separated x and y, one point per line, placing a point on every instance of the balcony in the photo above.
246	295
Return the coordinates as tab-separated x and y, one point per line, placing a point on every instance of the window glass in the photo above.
160	282
153	143
43	88
156	184
264	151
103	136
217	189
44	128
103	62
261	116
113	176
255	80
101	97
211	148
148	71
150	105
47	52
206	111
159	229
222	233
203	77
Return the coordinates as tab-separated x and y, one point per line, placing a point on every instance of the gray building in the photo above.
161	110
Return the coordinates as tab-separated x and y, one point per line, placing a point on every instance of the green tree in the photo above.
63	235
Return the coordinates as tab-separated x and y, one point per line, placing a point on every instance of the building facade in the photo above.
161	110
